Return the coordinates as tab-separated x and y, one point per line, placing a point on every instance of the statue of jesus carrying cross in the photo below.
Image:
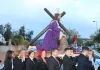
53	33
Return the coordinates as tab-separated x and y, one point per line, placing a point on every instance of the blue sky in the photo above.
80	14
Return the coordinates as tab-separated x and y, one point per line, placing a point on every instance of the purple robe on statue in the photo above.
50	39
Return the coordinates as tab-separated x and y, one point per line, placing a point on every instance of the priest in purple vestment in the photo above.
53	33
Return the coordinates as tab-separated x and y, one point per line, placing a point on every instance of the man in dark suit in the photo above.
69	62
31	61
53	63
83	60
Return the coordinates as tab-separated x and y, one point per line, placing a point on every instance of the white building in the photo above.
2	39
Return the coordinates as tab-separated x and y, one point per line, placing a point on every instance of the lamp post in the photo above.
96	29
96	24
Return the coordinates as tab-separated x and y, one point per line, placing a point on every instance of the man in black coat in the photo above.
53	63
31	61
83	60
69	62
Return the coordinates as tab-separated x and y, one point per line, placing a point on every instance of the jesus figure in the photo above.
53	33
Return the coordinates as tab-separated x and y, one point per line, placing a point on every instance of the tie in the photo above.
33	61
57	61
71	58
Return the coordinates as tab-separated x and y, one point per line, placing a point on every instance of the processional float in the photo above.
45	29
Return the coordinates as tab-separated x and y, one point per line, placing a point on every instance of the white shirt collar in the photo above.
31	58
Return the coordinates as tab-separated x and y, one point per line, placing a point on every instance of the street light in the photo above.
96	24
96	28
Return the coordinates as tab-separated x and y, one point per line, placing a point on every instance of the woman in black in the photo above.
8	63
19	61
42	61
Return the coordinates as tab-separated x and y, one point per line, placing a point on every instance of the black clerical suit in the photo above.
69	63
53	64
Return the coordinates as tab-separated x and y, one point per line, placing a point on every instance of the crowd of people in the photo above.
85	61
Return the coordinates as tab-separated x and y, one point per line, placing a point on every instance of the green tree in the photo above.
79	41
19	40
29	36
89	43
8	32
14	33
22	31
96	36
71	35
1	29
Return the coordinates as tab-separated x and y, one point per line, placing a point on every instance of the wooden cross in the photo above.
44	30
62	14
